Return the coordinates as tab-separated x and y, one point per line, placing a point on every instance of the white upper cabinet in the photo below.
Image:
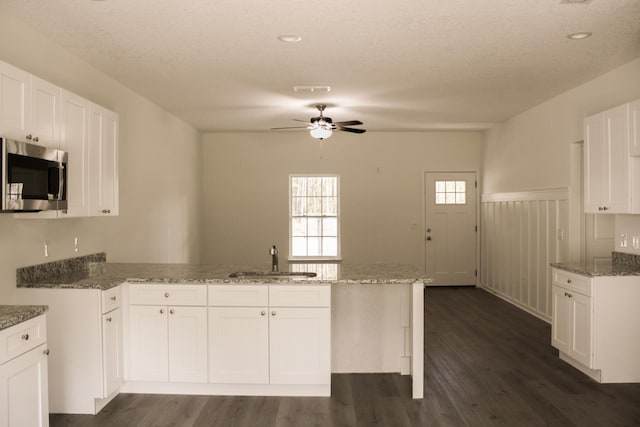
45	111
609	170
634	122
74	139
15	102
103	162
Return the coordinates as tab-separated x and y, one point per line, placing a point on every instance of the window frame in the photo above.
338	255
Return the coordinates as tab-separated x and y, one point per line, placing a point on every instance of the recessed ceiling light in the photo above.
289	38
579	36
312	88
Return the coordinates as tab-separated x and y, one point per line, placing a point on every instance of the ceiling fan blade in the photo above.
353	130
298	120
349	123
291	127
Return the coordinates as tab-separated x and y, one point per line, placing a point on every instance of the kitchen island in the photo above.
376	311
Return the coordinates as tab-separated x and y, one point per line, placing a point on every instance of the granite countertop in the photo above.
104	275
599	268
11	315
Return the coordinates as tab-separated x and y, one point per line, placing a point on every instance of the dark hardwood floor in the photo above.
487	363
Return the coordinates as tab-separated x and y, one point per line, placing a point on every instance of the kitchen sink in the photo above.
272	274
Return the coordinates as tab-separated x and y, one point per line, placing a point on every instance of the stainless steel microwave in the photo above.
34	178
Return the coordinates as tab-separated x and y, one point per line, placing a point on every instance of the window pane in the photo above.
450	198
314	227
313	246
329	185
299	246
298	226
329	226
314	206
450	186
330	206
298	206
314	186
298	186
440	199
439	186
461	198
461	187
330	246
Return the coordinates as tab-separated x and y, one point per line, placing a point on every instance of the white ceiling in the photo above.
395	65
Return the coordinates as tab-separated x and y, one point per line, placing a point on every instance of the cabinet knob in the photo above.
171	311
273	313
108	319
29	137
36	139
45	352
161	311
569	281
166	294
113	298
25	337
106	211
262	313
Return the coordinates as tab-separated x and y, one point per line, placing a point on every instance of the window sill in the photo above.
313	259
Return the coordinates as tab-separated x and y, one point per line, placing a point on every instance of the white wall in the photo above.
160	173
533	151
381	177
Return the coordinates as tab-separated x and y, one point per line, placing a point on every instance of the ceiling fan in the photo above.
322	127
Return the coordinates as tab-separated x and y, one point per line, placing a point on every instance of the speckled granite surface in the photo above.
104	275
620	264
11	315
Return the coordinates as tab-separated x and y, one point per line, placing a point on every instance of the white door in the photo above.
45	109
188	344
450	227
103	164
300	345
239	345
581	319
15	102
561	320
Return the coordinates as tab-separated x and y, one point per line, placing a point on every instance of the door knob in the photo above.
428	237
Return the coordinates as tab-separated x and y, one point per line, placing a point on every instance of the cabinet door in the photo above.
239	345
616	122
45	111
581	329
103	160
15	102
596	159
561	319
188	344
300	345
74	139
634	128
24	390
112	352
148	343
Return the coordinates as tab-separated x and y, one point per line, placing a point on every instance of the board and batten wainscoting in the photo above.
521	234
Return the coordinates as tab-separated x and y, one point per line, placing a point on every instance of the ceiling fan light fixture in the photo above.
580	35
290	38
321	132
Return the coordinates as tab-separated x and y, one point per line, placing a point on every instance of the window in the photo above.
314	216
451	192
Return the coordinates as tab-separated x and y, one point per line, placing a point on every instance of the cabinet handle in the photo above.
29	137
45	352
108	319
568	280
106	211
36	139
113	298
166	294
273	313
171	311
262	313
25	337
161	311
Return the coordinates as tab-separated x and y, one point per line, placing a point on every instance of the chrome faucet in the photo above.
274	258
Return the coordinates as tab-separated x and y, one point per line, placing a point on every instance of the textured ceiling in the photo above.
403	65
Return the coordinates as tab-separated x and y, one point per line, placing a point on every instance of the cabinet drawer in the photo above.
22	337
300	296
575	282
239	295
164	294
111	299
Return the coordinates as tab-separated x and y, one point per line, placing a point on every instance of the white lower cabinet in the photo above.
85	340
270	334
24	375
595	324
168	343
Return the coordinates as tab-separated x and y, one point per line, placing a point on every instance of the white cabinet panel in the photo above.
103	162
634	123
15	102
148	343
300	343
187	337
112	352
582	329
561	315
24	390
239	345
167	294
45	111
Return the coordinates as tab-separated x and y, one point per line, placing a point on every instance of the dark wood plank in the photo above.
487	363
